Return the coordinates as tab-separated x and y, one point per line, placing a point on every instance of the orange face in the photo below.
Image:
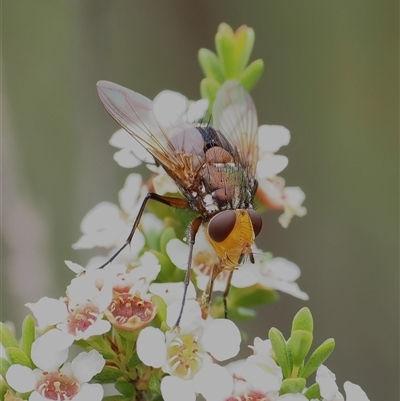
232	233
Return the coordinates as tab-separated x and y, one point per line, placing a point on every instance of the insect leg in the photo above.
226	292
194	227
207	294
167	200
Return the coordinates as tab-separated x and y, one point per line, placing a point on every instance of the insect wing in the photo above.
234	114
176	148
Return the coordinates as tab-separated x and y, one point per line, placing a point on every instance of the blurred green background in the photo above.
331	78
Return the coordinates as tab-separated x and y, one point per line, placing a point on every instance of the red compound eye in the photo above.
256	220
221	225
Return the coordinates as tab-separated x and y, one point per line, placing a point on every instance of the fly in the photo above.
213	166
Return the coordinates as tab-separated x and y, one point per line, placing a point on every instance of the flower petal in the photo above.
126	159
168	108
272	137
171	292
354	392
327	384
128	195
222	339
86	365
21	378
178	252
174	388
48	311
270	165
92	392
191	315
151	347
214	383
196	111
283	269
51	349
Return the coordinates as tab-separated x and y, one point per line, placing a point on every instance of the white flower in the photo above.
131	306
274	274
174	388
258	377
172	108
131	154
330	391
214	383
272	190
261	370
81	313
271	138
71	381
108	225
185	351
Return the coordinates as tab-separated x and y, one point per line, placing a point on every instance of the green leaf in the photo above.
251	74
299	344
154	384
313	392
7	337
18	357
281	351
4	365
167	234
125	388
226	50
317	358
292	385
28	336
109	374
303	320
244	38
161	307
134	360
169	271
240	313
211	65
116	398
251	296
3	390
208	90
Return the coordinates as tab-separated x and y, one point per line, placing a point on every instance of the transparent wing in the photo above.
234	114
175	147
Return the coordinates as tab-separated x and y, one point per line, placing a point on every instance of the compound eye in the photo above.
221	225
256	220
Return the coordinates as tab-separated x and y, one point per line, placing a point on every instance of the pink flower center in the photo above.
57	386
131	311
253	396
81	317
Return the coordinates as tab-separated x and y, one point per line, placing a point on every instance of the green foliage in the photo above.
230	61
7	337
281	351
291	354
154	384
28	336
293	385
313	393
109	374
318	357
125	388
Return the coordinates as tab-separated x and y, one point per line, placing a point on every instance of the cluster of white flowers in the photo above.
54	378
102	305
